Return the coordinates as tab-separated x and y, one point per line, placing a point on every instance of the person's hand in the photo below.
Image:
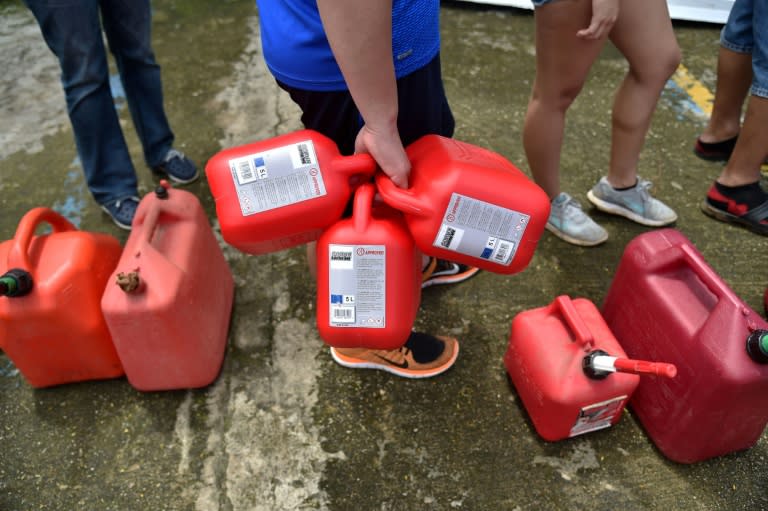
388	151
604	15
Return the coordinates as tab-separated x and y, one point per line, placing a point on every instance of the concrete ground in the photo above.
284	427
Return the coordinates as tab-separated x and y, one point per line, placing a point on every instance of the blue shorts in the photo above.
742	35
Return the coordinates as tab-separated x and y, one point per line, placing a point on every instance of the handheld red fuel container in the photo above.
169	300
53	328
666	302
568	369
469	205
282	192
368	278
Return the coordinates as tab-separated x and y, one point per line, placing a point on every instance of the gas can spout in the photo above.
599	364
15	283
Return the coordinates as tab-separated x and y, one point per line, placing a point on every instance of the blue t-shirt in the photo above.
297	52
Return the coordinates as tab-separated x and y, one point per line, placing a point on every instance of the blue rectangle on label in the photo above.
258	162
337	298
486	253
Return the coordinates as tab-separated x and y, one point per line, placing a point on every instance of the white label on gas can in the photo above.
357	285
278	177
481	229
598	416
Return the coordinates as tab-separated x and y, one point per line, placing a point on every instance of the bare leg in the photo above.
752	147
562	64
734	76
644	35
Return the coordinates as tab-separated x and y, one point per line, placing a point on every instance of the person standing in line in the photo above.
367	74
569	37
742	67
73	32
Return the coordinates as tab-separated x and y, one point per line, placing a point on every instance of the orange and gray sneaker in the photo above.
440	271
422	356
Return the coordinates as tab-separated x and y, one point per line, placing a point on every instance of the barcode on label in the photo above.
337	255
244	171
448	237
342	314
503	251
304	154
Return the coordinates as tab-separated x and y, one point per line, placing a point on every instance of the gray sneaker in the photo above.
635	203
568	222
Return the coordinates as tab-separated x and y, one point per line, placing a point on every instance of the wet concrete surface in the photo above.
284	427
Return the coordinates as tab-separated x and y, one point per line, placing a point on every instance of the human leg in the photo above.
76	41
127	26
643	33
734	75
736	195
562	64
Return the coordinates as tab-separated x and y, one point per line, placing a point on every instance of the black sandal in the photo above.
715	151
756	219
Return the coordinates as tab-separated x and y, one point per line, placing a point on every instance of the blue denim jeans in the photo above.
73	31
745	32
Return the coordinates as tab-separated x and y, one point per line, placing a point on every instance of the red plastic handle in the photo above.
360	163
361	210
583	335
626	365
17	256
400	198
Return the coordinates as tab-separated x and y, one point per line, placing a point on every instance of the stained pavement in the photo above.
284	427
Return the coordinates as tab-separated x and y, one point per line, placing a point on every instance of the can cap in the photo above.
757	346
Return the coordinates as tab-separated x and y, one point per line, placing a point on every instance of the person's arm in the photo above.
360	35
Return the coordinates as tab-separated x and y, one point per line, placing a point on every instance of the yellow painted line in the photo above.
696	90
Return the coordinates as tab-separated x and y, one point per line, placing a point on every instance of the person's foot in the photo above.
746	206
177	167
568	222
122	211
635	203
422	356
440	271
714	151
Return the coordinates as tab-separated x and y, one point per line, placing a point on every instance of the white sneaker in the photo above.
637	204
568	222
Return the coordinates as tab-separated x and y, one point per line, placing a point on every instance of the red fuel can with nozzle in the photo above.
53	328
666	302
169	300
368	278
469	205
281	192
571	374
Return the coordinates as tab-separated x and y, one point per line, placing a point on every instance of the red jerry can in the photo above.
50	294
169	301
469	205
561	359
282	192
368	278
666	302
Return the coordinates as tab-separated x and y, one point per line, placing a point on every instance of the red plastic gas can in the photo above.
666	302
368	278
52	325
562	360
283	191
169	300
469	205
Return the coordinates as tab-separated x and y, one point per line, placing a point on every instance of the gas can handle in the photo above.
399	198
359	163
361	209
17	256
573	320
